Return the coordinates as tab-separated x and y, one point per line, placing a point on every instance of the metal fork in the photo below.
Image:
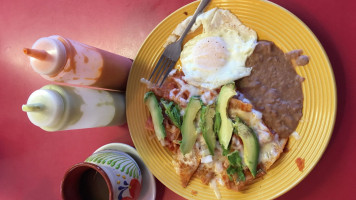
171	53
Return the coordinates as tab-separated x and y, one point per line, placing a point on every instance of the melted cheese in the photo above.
254	120
187	159
207	159
270	145
295	135
207	97
268	151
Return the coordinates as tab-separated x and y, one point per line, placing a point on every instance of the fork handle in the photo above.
202	5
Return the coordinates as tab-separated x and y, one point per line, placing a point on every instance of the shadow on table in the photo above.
160	190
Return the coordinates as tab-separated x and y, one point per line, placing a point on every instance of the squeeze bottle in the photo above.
55	107
61	59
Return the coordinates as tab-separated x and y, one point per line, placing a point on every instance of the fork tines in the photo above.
163	68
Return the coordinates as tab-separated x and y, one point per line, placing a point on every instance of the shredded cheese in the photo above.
215	188
296	135
207	159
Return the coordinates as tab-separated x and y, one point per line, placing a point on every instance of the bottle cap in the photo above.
45	108
48	56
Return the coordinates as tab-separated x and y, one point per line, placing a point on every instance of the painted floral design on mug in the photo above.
123	171
134	188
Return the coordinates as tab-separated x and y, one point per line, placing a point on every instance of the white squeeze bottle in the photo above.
55	107
64	60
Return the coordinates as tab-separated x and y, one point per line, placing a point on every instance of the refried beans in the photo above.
274	87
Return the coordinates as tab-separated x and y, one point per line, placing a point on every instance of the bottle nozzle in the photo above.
32	107
36	53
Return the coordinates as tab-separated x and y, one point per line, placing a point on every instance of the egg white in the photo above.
218	55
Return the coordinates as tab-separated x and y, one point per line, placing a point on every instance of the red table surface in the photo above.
32	161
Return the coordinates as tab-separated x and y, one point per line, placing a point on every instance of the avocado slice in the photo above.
225	128
251	145
188	130
156	113
206	126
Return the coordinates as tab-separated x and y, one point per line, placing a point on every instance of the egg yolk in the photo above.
210	53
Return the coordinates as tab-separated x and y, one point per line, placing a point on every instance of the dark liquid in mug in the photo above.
92	186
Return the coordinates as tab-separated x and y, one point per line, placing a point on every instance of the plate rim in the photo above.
328	67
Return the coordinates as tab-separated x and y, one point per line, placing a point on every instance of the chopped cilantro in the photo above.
235	166
226	151
231	171
234	158
173	112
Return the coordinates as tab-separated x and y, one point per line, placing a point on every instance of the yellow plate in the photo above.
271	22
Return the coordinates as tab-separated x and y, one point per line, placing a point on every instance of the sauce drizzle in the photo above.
300	163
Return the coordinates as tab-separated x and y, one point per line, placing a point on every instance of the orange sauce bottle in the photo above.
64	60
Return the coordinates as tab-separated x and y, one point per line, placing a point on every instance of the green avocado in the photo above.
156	113
250	143
188	130
206	126
223	124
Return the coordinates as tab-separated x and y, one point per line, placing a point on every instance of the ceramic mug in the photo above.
106	174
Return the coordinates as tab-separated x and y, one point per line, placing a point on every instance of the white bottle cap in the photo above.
55	59
44	108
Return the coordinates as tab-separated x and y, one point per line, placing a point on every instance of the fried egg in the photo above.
217	56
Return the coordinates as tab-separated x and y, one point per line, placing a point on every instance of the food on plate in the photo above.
188	130
156	113
250	143
206	126
217	108
274	87
230	43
